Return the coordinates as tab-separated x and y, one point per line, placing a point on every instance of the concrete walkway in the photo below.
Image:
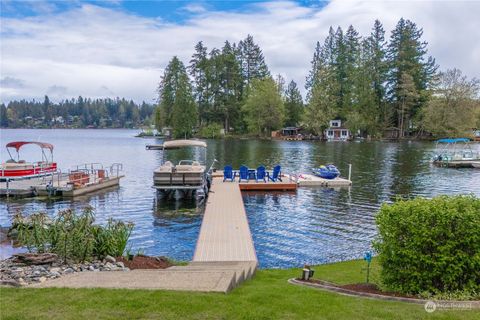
224	256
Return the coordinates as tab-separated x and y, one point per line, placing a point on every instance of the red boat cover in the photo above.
18	144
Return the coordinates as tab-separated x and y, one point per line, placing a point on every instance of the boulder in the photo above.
110	259
35	258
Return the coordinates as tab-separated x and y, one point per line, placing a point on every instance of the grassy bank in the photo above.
267	296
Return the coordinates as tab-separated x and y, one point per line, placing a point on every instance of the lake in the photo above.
314	225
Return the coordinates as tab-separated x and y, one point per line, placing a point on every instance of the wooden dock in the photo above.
58	185
225	234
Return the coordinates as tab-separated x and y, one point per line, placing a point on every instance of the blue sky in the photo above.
170	10
119	48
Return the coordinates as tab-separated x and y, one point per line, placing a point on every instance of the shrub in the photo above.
72	236
430	246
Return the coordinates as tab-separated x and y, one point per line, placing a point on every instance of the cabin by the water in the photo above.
336	132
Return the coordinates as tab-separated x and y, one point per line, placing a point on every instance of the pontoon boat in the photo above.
187	178
20	169
455	153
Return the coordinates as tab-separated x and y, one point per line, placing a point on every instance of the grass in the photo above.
266	296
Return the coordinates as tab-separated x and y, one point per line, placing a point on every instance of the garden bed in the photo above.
370	290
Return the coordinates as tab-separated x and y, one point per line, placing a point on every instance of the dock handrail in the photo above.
116	167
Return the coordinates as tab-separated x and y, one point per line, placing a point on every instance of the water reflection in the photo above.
313	225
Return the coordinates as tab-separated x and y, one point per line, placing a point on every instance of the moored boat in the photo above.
327	172
187	178
455	153
21	169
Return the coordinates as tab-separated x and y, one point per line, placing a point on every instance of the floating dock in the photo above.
154	147
72	184
290	182
310	180
458	164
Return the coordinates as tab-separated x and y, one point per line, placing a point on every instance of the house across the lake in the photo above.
288	133
336	132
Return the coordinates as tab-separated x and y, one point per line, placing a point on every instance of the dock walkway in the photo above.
225	234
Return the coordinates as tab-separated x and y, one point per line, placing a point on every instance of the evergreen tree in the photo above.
231	86
167	89
264	109
321	106
376	64
3	116
176	103
252	60
293	105
407	58
363	115
351	50
311	79
198	69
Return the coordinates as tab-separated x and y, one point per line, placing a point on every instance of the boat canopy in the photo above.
18	144
175	144
447	140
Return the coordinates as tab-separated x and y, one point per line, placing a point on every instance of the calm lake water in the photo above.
313	225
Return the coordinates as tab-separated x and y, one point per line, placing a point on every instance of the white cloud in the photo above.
95	52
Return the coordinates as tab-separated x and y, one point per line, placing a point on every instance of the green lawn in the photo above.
267	296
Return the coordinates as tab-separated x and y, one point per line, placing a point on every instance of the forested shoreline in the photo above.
371	83
76	113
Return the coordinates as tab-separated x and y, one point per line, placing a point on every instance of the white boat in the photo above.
456	153
188	178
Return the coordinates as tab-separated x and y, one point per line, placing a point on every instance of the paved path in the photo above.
224	234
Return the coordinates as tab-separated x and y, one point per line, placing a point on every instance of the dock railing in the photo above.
92	173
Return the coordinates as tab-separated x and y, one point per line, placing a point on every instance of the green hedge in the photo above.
430	246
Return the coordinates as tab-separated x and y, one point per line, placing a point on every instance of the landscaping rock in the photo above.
17	272
110	259
68	270
35	258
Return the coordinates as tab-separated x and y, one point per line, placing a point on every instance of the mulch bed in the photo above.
372	291
145	262
369	288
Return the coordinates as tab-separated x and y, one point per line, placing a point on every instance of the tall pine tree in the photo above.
176	103
408	59
293	105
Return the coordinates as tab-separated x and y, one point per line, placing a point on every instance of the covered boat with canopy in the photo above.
16	168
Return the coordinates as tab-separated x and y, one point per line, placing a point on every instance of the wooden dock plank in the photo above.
225	233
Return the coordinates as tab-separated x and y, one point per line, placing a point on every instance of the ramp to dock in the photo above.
224	234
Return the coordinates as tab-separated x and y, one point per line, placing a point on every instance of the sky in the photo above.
115	48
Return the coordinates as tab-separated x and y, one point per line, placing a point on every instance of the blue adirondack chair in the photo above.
261	174
243	174
228	173
276	174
